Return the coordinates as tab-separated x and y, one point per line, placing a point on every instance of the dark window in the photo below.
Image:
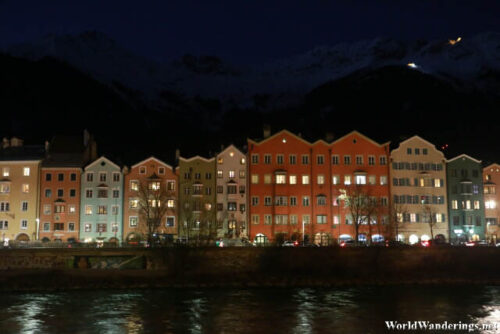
48	177
73	176
60	177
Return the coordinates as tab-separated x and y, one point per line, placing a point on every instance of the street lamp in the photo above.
37	228
303	231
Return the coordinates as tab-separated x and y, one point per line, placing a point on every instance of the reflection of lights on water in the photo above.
491	323
305	311
196	306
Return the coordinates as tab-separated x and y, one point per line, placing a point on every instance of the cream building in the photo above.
232	193
418	190
19	190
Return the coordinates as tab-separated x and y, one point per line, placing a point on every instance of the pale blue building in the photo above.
101	209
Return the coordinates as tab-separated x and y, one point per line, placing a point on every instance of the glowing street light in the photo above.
412	65
454	41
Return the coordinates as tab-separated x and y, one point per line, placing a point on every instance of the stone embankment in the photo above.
61	269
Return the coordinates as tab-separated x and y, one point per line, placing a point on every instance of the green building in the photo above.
197	200
465	199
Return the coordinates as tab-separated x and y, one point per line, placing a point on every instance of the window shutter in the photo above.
443	217
442	182
418	217
416	182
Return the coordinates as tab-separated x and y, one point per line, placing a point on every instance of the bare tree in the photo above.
429	216
360	204
396	219
153	205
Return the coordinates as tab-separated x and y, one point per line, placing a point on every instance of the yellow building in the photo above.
19	190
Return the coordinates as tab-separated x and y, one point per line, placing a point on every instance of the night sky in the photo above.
244	31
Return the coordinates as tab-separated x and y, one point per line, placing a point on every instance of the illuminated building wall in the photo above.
231	191
465	199
197	199
294	186
159	177
101	202
418	191
491	178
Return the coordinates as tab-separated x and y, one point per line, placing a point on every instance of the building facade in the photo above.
491	177
418	189
232	193
295	187
101	202
360	170
19	190
60	203
197	200
465	199
60	186
151	183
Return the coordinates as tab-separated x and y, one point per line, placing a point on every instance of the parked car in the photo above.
347	243
290	243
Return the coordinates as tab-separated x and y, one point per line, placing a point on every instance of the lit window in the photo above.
26	171
490	204
280	179
437	183
132	221
6	171
305	179
267	178
476	205
293	179
231	174
134	203
347	179
26	188
142	170
72	209
219	174
242	161
413	217
255	178
383	180
4	187
321	179
88	209
454	204
372	179
134	185
335	179
170	203
360	179
154	185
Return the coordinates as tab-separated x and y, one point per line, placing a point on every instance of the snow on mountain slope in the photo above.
207	76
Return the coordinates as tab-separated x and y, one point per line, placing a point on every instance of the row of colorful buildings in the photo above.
283	187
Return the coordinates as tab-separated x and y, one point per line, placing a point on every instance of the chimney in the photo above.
177	155
329	137
266	131
47	146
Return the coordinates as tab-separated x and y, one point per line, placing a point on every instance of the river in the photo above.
286	310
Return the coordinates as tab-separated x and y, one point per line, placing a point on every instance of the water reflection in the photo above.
305	310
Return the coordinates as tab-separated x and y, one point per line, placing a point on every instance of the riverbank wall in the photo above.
63	269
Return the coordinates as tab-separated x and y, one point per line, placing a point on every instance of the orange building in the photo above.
294	186
60	203
60	180
491	177
158	176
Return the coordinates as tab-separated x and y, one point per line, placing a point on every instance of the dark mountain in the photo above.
45	97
